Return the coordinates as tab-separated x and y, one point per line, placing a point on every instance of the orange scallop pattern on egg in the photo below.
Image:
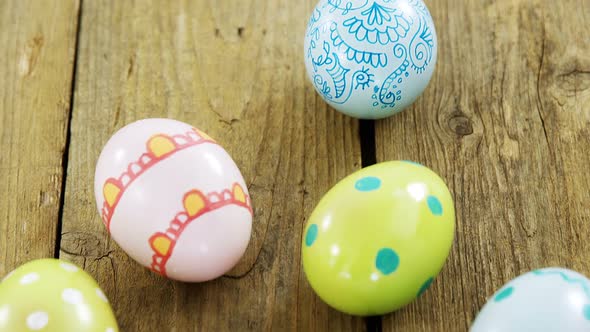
111	191
195	204
161	244
158	148
160	145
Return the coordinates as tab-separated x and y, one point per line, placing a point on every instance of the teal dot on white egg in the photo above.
503	294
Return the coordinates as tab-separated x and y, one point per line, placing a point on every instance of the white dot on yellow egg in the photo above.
101	295
29	278
68	267
37	320
110	329
72	296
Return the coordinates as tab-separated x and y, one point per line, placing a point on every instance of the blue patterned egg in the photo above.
550	299
370	58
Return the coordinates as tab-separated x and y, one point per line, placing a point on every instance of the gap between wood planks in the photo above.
367	144
66	152
368	158
368	147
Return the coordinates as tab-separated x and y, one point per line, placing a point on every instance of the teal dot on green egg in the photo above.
434	205
412	162
387	261
425	286
311	235
368	183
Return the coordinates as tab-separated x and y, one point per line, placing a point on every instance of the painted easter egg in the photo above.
53	295
370	58
378	238
173	199
550	299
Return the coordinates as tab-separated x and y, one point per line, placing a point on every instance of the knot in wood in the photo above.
460	124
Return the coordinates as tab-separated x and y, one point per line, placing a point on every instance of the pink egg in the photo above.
173	199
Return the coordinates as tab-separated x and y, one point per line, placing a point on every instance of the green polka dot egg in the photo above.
53	295
377	239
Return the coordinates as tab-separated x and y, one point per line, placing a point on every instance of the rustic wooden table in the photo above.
505	121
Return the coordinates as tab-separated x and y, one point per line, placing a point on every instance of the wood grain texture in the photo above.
506	122
36	67
234	70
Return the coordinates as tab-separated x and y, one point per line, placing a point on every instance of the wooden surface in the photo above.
167	61
505	121
37	50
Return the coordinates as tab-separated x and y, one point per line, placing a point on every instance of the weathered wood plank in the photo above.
38	41
235	70
506	122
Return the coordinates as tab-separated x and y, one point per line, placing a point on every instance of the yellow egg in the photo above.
53	295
